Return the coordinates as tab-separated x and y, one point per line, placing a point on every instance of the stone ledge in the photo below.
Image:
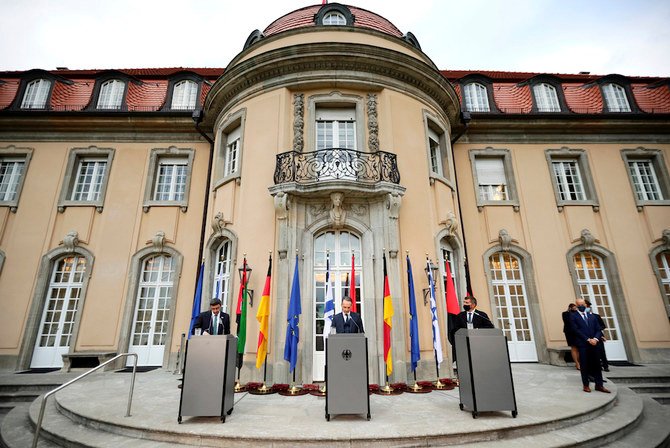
101	357
557	355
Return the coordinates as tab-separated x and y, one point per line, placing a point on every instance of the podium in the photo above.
208	388
347	375
484	371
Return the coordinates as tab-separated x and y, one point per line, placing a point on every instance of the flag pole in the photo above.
294	390
387	389
414	387
264	389
239	387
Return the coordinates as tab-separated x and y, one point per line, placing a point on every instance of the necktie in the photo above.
469	318
346	318
584	316
216	325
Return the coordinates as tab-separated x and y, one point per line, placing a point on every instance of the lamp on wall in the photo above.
250	291
426	291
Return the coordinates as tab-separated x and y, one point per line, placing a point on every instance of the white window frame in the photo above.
616	99
223	268
168	156
96	198
660	260
569	180
658	177
36	94
231	156
510	182
476	97
491	187
334	18
110	96
546	98
87	185
559	180
174	179
184	95
438	151
335	128
12	154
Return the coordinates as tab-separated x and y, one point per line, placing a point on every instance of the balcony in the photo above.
339	169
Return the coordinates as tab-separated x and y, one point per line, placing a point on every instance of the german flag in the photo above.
388	317
263	318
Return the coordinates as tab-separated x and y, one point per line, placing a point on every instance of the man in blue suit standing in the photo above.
347	321
587	336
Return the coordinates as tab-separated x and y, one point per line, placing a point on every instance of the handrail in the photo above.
63	386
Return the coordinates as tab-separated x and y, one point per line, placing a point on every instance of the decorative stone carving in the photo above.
158	241
298	121
665	236
450	224
219	223
393	202
318	210
588	240
358	209
337	213
373	124
71	240
505	239
281	205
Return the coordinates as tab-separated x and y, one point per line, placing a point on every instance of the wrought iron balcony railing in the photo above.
336	163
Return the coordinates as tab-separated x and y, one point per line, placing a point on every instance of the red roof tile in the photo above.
209	73
74	96
582	99
8	92
146	97
512	99
204	91
304	17
655	100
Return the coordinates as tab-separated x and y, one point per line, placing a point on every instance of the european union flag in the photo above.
413	320
293	319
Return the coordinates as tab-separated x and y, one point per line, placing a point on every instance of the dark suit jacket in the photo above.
204	321
351	327
567	328
585	329
479	320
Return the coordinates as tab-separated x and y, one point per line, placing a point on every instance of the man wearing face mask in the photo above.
602	356
588	336
470	318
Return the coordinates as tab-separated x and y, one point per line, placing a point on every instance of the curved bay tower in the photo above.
331	139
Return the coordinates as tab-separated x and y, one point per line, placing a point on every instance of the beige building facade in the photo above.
330	135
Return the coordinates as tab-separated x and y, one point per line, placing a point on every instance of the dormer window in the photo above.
334	18
615	98
111	95
184	95
546	98
475	97
36	94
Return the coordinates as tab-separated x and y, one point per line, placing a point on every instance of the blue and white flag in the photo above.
437	339
329	310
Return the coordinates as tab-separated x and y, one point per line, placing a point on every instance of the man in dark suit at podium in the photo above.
347	321
214	321
471	317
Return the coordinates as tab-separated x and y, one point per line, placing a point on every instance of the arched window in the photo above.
111	94
152	308
36	94
615	98
546	98
476	97
222	269
184	95
60	309
593	285
334	18
511	305
662	268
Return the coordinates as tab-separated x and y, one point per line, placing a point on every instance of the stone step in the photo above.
652	431
660	398
19	396
649	388
619	379
16	430
59	429
598	431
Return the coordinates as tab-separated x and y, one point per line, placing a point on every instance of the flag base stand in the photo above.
294	390
439	385
240	387
264	390
415	387
386	390
323	389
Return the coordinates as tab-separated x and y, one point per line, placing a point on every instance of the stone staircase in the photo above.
626	418
18	389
